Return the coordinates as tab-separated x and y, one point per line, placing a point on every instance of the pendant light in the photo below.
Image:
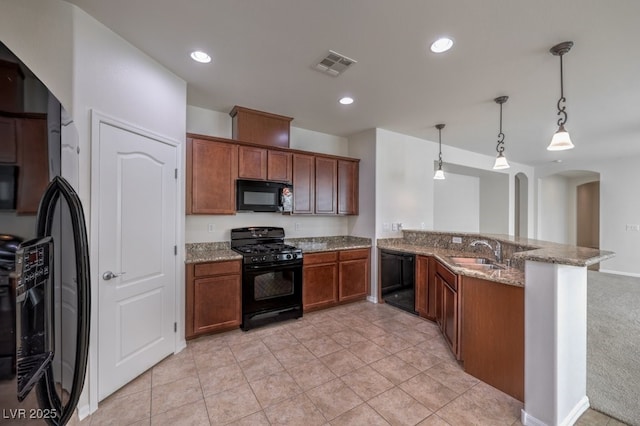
561	139
439	173
501	160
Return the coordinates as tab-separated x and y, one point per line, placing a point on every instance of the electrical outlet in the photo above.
394	226
211	227
422	225
297	226
456	240
633	227
385	226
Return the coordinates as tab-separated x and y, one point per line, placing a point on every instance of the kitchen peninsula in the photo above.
553	278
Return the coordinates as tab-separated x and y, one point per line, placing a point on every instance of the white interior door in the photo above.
136	238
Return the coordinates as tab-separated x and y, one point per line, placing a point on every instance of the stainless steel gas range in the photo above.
271	276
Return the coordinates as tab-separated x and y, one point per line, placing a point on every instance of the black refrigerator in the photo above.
44	260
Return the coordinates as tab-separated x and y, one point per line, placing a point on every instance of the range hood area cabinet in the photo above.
322	184
258	127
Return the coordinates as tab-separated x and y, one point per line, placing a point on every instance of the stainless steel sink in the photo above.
480	263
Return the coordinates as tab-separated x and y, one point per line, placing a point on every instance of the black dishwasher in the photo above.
397	272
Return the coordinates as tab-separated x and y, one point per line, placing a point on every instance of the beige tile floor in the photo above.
358	364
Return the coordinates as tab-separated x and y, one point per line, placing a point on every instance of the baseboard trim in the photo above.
578	410
372	299
84	411
582	406
626	274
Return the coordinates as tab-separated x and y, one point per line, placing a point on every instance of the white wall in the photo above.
495	199
404	182
456	205
213	123
553	209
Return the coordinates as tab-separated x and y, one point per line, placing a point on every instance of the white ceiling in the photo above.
263	52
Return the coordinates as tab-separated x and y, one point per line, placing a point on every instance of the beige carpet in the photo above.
613	345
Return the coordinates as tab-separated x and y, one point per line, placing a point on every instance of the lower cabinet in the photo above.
447	307
492	334
335	277
213	297
425	288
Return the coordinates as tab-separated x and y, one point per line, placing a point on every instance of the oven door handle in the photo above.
278	266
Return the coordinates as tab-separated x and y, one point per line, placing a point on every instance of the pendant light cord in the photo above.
500	145
440	148
561	107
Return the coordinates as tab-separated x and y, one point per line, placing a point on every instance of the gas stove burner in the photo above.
260	245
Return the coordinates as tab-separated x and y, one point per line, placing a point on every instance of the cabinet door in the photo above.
439	289
353	278
217	303
326	185
252	163
33	175
303	183
320	286
8	150
348	187
279	166
422	285
212	169
450	317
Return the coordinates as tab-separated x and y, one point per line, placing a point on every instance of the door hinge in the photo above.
175	327
175	250
176	174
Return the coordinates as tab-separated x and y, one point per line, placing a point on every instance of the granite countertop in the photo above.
319	244
518	250
219	251
209	252
511	276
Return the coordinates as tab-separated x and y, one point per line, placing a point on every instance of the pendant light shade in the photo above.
439	173
561	140
501	160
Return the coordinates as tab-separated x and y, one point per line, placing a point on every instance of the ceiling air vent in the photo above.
334	64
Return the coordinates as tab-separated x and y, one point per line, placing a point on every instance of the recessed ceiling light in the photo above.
441	45
557	161
346	100
200	56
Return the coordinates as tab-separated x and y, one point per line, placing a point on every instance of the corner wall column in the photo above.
555	298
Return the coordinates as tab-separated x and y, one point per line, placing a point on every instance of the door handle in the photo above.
110	275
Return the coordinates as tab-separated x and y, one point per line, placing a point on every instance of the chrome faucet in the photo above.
497	251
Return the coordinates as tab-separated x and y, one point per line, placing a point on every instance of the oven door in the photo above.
271	290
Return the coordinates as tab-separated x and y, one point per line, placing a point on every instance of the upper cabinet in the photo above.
326	194
264	164
348	187
212	170
11	87
260	127
303	183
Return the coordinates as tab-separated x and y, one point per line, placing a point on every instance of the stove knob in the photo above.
264	258
254	259
289	257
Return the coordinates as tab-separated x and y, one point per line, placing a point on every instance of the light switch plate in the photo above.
456	240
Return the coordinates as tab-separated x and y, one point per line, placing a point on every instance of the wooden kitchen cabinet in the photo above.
263	164
33	162
335	277
252	162
8	144
279	167
348	188
326	185
425	289
492	333
213	297
11	87
303	183
260	127
320	280
447	306
353	274
212	170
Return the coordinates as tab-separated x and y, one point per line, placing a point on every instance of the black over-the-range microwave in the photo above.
263	196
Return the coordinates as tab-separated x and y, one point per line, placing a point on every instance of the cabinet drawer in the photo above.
447	275
354	254
316	258
217	268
